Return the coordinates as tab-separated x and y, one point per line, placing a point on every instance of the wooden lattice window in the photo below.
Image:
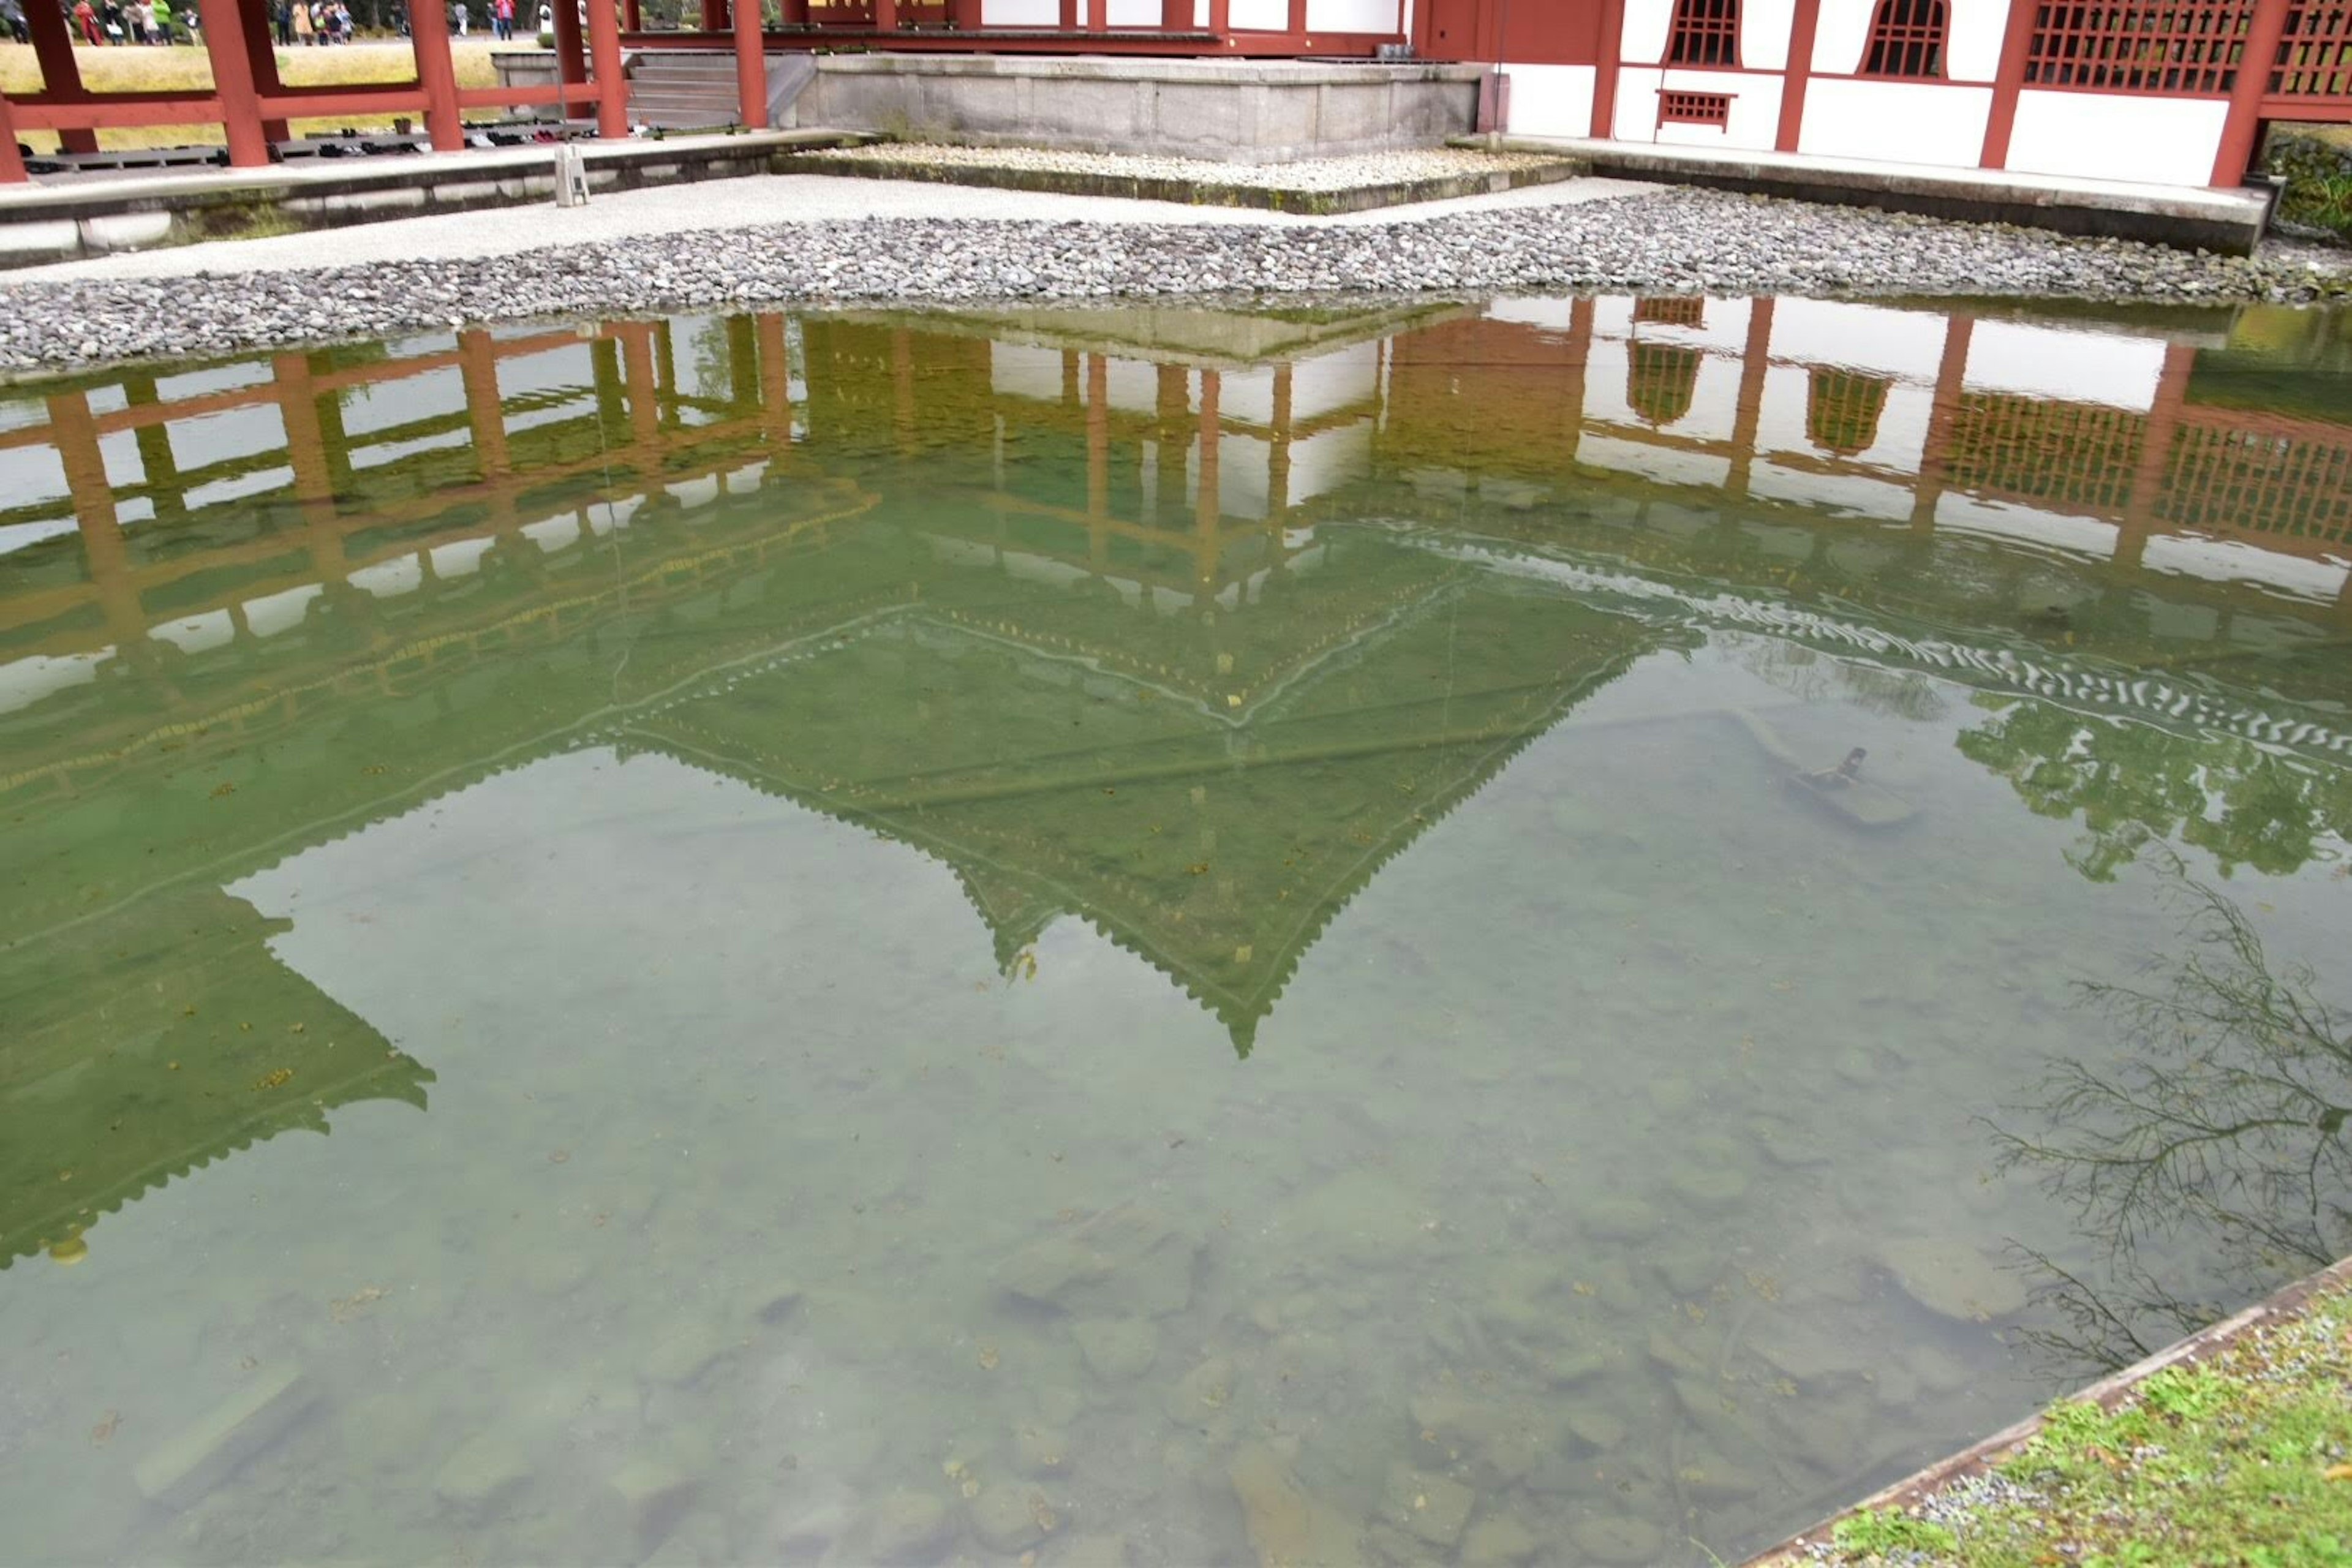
1660	380
1705	33
1671	312
2191	46
1906	39
1694	108
2315	54
1842	410
2080	456
2239	481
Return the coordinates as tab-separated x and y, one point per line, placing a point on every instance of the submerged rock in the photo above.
1618	1539
1202	1396
1122	1261
201	1455
483	1473
1954	1278
1288	1526
1007	1519
1434	1508
1117	1350
1498	1542
908	1527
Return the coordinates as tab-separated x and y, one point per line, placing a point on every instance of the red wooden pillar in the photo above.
1175	16
714	16
1297	20
886	16
437	73
571	61
612	89
1097	15
2247	90
60	75
1798	72
633	16
966	15
2008	81
1221	20
751	66
1609	45
795	12
261	55
225	25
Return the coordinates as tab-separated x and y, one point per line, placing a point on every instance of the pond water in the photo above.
1466	933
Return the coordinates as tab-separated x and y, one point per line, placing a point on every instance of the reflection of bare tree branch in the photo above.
2224	1127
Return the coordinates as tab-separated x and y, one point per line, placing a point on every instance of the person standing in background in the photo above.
302	9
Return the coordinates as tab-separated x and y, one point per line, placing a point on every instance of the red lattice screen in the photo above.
2080	456
1694	108
1660	379
1705	33
2314	57
2240	482
1672	313
1906	39
2188	47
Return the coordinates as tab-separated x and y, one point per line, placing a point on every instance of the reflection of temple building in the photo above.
1186	637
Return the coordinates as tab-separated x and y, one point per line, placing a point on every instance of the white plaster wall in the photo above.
1899	122
1764	33
1972	38
2113	136
1636	117
1841	35
1550	101
1906	344
1643	39
1333	381
2075	367
1346	16
1755	110
1259	15
1020	13
1131	14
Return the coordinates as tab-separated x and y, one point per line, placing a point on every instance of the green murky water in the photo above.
1154	938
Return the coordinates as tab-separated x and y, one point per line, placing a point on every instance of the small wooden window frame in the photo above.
1679	108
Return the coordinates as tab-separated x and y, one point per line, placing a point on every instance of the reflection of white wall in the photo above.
1849	493
275	613
567	366
1333	381
243	485
1017	370
26	682
31	474
212	378
1902	436
2230	561
196	633
2026	525
1722	325
381	404
1551	315
1133	384
2116	136
1246	395
459	558
1667	464
1243	463
231	433
1551	101
1908	344
1326	461
552	533
2078	368
1938	124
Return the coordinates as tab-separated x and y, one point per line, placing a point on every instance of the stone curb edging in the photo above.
2108	1393
1192	193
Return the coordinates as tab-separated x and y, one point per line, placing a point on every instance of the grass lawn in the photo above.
132	69
2242	1460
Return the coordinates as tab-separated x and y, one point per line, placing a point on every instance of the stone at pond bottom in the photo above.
1621	1219
1620	1540
1199	1398
1596	1425
909	1527
202	1456
1123	1259
1092	1552
1118	1350
482	1473
1040	1450
1009	1518
1498	1542
1434	1508
654	1494
1954	1278
1288	1527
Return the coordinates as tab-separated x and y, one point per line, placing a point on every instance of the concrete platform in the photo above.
2228	222
134	211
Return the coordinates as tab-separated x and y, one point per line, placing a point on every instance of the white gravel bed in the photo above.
1306	174
1663	241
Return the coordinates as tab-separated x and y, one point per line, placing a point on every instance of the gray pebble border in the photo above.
1675	241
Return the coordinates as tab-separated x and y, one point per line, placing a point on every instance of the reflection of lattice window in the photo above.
2315	53
1907	38
1672	313
1705	33
1842	410
1659	381
2076	455
2259	482
2190	46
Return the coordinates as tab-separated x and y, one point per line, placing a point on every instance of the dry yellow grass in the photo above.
162	70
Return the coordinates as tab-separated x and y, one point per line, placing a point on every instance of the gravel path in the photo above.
1301	174
1662	241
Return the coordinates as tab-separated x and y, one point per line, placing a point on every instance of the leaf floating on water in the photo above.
275	1079
988	1358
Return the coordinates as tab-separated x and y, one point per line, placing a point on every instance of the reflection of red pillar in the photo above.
306	450
1097	436
60	73
108	558
225	22
437	73
751	66
775	383
902	388
1747	415
1208	503
2142	511
645	406
611	92
478	364
1580	337
1943	416
1277	469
